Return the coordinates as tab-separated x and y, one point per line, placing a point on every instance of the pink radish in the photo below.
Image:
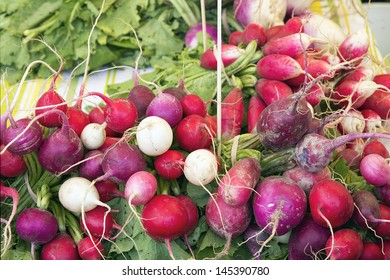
292	26
278	67
375	147
357	91
140	188
375	170
254	32
8	192
291	45
11	165
272	90
354	47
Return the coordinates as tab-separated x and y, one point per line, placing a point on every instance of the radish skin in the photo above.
278	67
200	167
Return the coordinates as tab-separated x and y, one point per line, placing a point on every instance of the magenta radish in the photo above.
232	113
177	91
170	164
193	133
291	45
375	170
379	102
191	40
292	26
164	218
167	107
98	222
238	183
254	32
383	227
279	204
193	104
272	90
356	92
227	221
306	179
91	167
354	47
140	188
11	165
273	31
48	101
77	119
107	190
331	204
366	210
235	38
307	240
255	107
154	136
96	115
29	133
229	54
90	248
141	96
61	247
361	73
200	167
345	245
371	251
62	149
315	94
121	161
278	67
382	79
284	122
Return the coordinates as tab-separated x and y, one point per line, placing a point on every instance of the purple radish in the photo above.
366	210
191	39
91	168
254	237
167	107
141	96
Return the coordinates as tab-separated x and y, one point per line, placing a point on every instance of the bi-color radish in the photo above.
140	188
272	90
278	67
229	53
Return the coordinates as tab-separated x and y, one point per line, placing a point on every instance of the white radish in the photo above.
352	122
200	167
154	136
93	136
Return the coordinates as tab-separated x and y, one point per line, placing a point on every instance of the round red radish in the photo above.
77	119
120	114
11	165
96	115
62	247
254	32
192	212
371	251
346	244
383	227
235	38
170	164
375	147
51	99
193	104
99	222
90	248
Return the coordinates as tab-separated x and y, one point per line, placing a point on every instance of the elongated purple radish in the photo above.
141	96
366	210
11	165
61	247
283	123
278	67
232	113
255	107
306	179
140	188
167	107
191	39
193	218
48	101
375	170
238	183
272	90
291	45
227	221
170	164
91	167
229	53
314	152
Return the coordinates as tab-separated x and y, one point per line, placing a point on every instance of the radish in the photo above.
78	119
279	205
191	40
307	240
373	122
351	122
200	167
306	179
107	190
167	107
351	156
356	92
11	165
50	100
154	136
90	248
229	53
382	79
177	91
253	32
141	96
164	218
98	222
331	204
235	38
232	114
93	136
298	7
278	67
379	102
91	167
193	104
371	251
291	45
238	183
61	247
227	221
383	227
293	25
347	245
354	47
375	170
383	193
272	90
273	32
366	213
254	236
140	188
255	107
361	73
170	164
109	143
96	115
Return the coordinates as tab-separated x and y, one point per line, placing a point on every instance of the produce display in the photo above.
273	145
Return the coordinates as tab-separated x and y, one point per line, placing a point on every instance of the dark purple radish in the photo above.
254	237
62	247
141	96
371	251
50	100
383	193
177	92
164	218
25	134
366	210
375	170
283	123
11	165
238	183
279	205
108	190
227	221
62	149
191	37
331	204
170	164
36	226
98	222
90	248
229	53
140	188
193	218
91	167
306	179
167	107
121	161
307	240
314	151
345	245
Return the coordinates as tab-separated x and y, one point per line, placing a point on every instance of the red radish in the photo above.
386	249
354	47
193	104
107	190
306	179
254	32
293	25
11	165
345	245
291	45
279	205
273	31
29	133
90	248
356	92
379	102
167	107
193	217
200	167
8	192
121	161
232	114
255	107
272	90
140	188
382	79
62	149
61	247
211	122
238	183
307	240
331	204
120	113
235	38
373	122
284	122
366	211
226	221
315	94
278	67
229	54
48	101
164	218
351	122
91	168
141	96
371	251
383	227
361	73
193	133
98	222
170	164
96	115
375	170
108	143
77	119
